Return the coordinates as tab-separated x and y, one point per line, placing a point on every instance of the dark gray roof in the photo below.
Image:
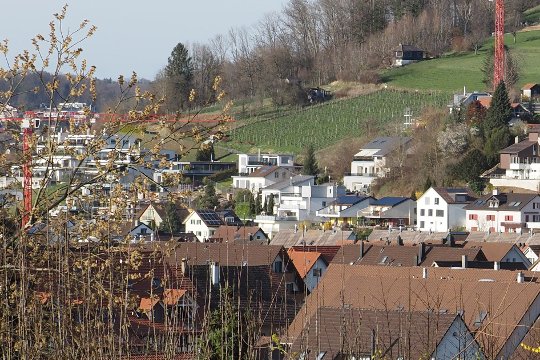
385	144
406	47
518	147
506	202
456	195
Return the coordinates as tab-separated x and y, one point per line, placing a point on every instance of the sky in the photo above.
132	35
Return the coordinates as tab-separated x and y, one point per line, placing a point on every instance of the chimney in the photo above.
184	267
361	249
520	278
399	240
450	240
496	265
424	273
421	252
214	273
152	236
516	140
415	261
464	261
495	191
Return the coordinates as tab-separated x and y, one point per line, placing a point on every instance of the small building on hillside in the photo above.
530	91
407	54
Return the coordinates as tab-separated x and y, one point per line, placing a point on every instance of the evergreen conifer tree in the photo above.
310	162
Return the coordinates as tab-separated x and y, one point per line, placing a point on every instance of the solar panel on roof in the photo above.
210	217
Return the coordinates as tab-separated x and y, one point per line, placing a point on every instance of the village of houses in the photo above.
449	275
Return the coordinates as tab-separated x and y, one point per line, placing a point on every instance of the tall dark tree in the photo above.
205	152
310	162
172	223
258	203
209	199
500	112
179	74
270	205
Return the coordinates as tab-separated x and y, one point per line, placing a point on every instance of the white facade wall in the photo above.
311	280
195	225
429	205
457	343
528	214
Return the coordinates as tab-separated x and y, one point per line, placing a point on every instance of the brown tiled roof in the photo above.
518	147
183	356
172	296
348	331
528	86
327	251
226	233
449	194
395	255
492	302
264	171
290	238
148	304
303	261
493	251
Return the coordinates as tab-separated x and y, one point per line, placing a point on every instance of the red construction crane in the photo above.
498	62
27	125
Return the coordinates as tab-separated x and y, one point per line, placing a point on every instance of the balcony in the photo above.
362	174
519	166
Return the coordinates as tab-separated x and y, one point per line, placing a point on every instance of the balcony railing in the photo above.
362	174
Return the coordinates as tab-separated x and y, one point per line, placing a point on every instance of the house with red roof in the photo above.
310	266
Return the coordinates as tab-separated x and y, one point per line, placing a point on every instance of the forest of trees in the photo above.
312	42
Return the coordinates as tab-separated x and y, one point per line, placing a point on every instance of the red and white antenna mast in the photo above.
498	68
27	171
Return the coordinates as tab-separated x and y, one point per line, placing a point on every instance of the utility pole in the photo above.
27	171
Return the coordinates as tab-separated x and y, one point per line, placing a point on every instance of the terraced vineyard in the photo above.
328	123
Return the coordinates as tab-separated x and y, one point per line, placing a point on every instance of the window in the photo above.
439	213
421	224
289	287
278	266
422	212
276	174
426	201
509	218
324	203
143	231
473	216
490	217
536	218
317	272
430	212
436	201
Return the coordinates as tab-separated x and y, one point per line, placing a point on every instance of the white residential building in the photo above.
262	177
249	163
519	165
371	162
204	223
442	209
504	212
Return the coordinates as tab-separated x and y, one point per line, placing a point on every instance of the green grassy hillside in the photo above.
453	72
328	123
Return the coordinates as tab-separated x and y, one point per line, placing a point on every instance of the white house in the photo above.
371	162
519	164
249	163
345	209
391	211
204	223
262	177
311	266
442	209
504	212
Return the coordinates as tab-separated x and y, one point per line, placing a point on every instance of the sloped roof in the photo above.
528	86
406	47
172	296
148	304
518	147
330	328
295	180
227	233
493	251
349	199
327	251
491	301
290	238
390	201
384	145
303	261
451	195
264	171
507	202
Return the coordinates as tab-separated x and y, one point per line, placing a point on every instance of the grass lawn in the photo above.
453	72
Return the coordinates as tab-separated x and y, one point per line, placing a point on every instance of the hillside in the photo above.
325	124
454	71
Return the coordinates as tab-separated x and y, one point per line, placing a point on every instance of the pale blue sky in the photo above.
133	35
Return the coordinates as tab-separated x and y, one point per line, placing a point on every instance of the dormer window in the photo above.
493	203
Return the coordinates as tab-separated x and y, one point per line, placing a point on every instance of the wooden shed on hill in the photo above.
406	54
